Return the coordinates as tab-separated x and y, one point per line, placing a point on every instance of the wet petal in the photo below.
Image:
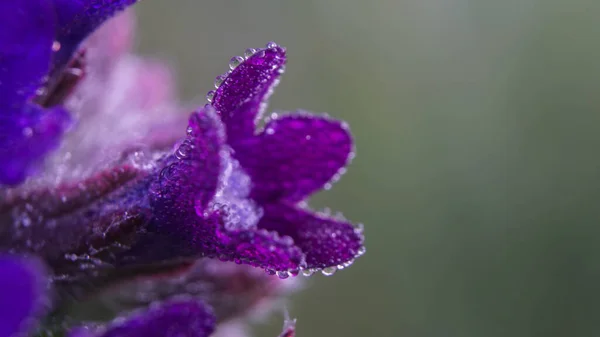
295	156
79	18
26	35
251	82
189	180
177	318
48	223
22	293
326	242
259	248
26	137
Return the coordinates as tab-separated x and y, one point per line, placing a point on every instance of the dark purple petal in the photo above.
27	31
22	293
26	137
295	156
259	248
189	180
326	242
250	82
79	18
81	332
180	200
113	206
177	318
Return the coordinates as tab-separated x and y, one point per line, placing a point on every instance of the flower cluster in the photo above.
104	198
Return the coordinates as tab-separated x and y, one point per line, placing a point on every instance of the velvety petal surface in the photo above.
294	156
190	178
327	242
27	31
250	82
176	318
26	136
22	293
183	201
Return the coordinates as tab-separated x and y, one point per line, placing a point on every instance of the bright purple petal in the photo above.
294	156
79	18
22	293
181	318
27	31
26	137
326	242
249	82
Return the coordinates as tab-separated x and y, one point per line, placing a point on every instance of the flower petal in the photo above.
79	18
26	34
326	242
22	293
250	82
295	156
26	137
190	177
177	318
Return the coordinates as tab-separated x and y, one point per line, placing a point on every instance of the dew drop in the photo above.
235	61
307	272
219	80
283	274
329	271
361	251
249	52
183	151
270	271
210	95
272	45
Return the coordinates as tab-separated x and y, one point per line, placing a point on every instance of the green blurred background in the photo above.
477	175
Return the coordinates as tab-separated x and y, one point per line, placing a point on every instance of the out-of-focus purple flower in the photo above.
37	40
22	294
175	318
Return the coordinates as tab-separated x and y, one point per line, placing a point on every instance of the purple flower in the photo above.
37	40
134	207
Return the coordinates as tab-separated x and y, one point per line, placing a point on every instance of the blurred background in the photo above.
477	130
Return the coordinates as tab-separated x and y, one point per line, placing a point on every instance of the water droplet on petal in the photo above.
219	80
271	45
235	61
329	271
249	52
283	274
210	95
361	251
307	272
